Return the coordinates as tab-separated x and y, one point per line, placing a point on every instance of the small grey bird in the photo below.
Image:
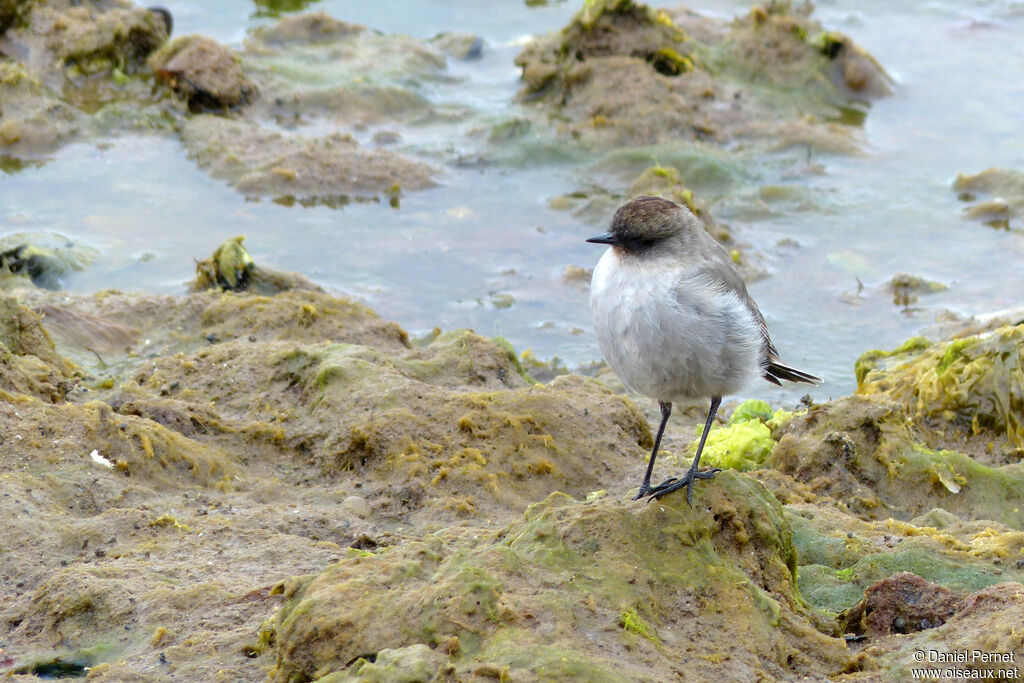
674	319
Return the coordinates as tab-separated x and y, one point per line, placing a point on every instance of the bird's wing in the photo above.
719	268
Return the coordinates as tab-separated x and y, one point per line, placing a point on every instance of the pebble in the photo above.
357	506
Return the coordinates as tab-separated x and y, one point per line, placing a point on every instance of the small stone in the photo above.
357	506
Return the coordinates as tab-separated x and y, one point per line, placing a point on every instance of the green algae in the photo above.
836	566
741	446
954	350
747	440
632	622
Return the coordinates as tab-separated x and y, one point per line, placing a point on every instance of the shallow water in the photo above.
452	256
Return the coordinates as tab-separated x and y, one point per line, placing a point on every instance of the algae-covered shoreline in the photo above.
283	484
259	478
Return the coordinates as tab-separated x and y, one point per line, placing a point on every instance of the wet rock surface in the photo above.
203	73
331	170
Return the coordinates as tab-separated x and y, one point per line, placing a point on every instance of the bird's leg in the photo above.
645	487
670	485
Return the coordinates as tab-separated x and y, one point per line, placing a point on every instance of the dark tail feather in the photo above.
777	370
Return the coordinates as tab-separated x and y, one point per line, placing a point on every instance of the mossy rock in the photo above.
29	363
621	73
863	453
553	595
840	555
972	387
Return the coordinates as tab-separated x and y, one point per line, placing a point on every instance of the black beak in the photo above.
607	238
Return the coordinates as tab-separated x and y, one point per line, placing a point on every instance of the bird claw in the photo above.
673	484
644	491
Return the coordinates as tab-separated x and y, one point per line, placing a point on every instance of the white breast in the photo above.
671	334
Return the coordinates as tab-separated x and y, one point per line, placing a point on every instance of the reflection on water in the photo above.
486	250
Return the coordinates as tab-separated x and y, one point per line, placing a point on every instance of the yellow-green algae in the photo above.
546	596
973	385
229	267
746	441
29	363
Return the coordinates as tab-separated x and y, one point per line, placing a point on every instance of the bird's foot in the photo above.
672	484
645	490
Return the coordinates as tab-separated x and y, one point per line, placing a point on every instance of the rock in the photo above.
648	578
861	452
232	269
994	196
902	603
906	288
357	506
972	386
459	45
41	257
625	74
32	120
81	68
12	13
66	40
315	66
983	623
841	555
311	27
330	170
29	364
203	73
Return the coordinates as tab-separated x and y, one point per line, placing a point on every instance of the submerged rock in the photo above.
906	288
329	170
559	593
994	196
316	66
623	73
41	258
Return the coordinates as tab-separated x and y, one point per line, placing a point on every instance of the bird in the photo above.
675	322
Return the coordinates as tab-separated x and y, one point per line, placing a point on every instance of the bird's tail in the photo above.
777	371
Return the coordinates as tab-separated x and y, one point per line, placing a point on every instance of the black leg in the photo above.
666	410
692	474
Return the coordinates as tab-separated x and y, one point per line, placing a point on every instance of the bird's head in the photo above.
646	222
